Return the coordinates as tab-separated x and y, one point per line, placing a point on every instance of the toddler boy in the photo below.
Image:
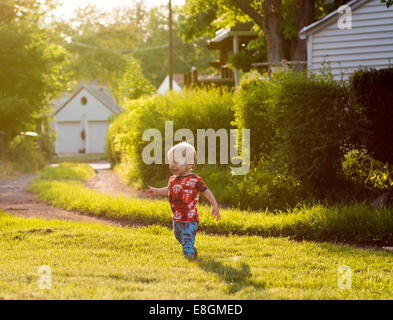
183	191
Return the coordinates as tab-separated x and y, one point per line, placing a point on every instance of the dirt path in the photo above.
106	181
15	199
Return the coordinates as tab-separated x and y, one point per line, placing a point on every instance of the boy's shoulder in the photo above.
189	181
194	176
190	177
197	182
171	178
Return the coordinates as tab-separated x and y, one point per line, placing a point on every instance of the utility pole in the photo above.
170	46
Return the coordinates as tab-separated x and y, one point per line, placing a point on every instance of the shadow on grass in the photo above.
236	279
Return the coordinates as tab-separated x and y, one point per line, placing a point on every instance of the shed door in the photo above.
96	136
68	137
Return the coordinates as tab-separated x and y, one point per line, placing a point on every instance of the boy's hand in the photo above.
151	191
216	213
157	191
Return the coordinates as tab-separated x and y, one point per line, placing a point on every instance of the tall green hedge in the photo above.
253	109
113	150
301	127
371	93
190	109
25	154
299	122
311	120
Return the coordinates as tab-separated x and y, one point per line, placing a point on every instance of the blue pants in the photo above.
185	233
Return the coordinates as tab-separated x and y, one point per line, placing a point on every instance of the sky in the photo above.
66	10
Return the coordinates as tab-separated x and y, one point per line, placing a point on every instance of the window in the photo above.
84	101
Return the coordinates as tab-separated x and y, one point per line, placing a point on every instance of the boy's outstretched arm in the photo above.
157	191
210	197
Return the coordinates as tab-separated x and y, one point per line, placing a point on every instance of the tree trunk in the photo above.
271	30
269	22
304	15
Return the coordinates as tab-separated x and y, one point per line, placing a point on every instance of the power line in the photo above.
117	49
130	50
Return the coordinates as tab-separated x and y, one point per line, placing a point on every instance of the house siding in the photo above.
368	44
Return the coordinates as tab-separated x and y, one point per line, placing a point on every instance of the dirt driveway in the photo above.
106	181
16	200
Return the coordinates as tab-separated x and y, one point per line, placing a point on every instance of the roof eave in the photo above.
302	35
321	23
79	89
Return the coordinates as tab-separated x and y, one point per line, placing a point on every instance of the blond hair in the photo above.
182	152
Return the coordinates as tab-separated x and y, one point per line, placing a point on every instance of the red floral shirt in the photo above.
184	195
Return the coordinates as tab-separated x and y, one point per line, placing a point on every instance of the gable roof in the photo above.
328	19
224	36
239	29
101	93
178	83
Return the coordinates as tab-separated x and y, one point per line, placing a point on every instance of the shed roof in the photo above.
101	93
328	19
223	36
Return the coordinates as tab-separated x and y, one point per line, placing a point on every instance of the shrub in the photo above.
261	188
366	172
310	121
298	122
112	150
371	93
265	188
220	181
6	168
46	142
253	106
191	109
25	154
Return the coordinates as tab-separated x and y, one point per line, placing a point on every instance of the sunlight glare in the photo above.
67	7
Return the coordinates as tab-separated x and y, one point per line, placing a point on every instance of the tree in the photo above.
100	42
31	68
153	51
133	84
278	21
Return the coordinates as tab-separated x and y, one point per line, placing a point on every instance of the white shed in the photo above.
359	35
81	120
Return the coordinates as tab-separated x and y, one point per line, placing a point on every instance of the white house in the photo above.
359	35
177	84
81	119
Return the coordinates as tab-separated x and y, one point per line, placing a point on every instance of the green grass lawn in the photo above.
63	187
91	261
80	158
